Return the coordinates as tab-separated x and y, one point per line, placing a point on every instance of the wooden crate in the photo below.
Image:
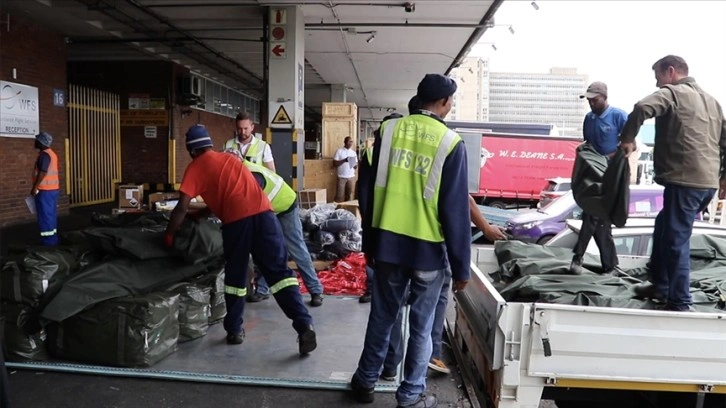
335	130
321	174
309	198
351	206
340	109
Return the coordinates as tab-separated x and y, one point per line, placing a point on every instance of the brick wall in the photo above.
220	128
143	160
39	58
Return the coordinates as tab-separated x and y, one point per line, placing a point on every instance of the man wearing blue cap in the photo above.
419	215
248	227
46	189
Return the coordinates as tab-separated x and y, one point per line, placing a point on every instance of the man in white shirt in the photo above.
250	147
346	161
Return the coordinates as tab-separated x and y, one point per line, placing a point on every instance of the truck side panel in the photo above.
517	166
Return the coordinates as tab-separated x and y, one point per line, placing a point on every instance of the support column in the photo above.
337	93
286	85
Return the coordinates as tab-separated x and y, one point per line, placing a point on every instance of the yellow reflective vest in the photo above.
255	153
280	194
412	154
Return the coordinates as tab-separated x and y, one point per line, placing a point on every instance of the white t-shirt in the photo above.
347	169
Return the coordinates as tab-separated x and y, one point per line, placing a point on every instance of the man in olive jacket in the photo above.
690	140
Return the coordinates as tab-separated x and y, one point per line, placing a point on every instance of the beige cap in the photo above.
595	89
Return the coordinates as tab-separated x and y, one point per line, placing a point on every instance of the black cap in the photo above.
414	104
434	87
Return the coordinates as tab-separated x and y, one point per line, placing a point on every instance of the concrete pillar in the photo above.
287	92
337	93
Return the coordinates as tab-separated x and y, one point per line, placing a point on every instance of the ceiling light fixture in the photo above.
511	29
534	4
371	38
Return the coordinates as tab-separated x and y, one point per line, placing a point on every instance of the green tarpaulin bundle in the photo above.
215	281
536	273
116	278
194	310
29	274
127	332
19	345
195	242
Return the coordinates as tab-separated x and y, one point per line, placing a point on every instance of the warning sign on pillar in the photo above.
280	116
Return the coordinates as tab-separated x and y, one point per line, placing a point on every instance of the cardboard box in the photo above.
351	206
311	197
130	196
158	197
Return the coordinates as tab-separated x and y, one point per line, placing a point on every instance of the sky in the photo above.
615	41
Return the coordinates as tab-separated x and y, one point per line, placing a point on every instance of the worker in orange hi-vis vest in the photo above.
45	189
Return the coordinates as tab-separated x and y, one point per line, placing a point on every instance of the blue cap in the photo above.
198	137
44	138
434	87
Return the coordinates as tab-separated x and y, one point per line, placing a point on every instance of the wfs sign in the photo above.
18	110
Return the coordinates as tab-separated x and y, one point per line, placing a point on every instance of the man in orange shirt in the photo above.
248	227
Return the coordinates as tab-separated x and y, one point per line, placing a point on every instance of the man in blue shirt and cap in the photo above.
419	215
601	129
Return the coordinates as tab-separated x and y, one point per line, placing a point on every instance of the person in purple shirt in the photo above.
601	130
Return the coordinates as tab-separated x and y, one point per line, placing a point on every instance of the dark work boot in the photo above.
648	290
366	297
307	341
361	393
236	338
576	265
316	300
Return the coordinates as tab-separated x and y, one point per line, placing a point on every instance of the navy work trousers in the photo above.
261	236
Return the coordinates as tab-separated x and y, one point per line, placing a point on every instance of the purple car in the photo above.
541	225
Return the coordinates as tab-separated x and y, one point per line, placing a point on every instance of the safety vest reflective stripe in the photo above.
282	284
280	194
48	233
384	155
435	174
51	181
234	291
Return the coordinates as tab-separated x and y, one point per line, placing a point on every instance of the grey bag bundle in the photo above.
194	310
135	331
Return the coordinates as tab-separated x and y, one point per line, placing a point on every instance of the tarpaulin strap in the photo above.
16	283
121	331
282	284
231	290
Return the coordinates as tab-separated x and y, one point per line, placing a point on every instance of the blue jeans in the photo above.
670	261
395	346
293	231
388	296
